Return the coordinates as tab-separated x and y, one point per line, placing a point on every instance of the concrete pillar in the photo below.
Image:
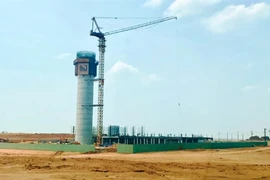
164	141
158	141
137	140
134	141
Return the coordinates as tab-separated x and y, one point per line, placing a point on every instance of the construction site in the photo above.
85	154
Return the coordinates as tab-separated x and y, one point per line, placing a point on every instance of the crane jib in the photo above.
140	25
99	34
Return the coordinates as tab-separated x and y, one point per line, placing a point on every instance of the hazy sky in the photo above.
214	60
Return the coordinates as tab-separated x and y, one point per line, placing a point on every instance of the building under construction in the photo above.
85	70
109	140
114	136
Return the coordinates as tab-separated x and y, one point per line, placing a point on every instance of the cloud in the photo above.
153	3
122	67
182	8
63	56
235	15
249	88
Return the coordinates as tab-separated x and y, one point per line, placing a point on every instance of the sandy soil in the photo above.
250	163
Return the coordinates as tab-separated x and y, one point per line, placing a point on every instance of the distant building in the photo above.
113	131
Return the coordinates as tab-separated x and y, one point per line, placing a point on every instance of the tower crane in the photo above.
101	39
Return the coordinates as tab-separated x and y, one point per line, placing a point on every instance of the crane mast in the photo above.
102	46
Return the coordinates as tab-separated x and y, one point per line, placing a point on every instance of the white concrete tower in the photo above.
85	70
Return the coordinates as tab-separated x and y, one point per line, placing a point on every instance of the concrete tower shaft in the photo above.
85	70
84	113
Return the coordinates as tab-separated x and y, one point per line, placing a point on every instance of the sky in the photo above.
214	61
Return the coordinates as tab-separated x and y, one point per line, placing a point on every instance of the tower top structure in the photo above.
85	63
86	54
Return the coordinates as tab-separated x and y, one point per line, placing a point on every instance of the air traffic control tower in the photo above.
86	71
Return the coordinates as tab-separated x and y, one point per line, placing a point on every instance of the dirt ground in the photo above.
249	163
